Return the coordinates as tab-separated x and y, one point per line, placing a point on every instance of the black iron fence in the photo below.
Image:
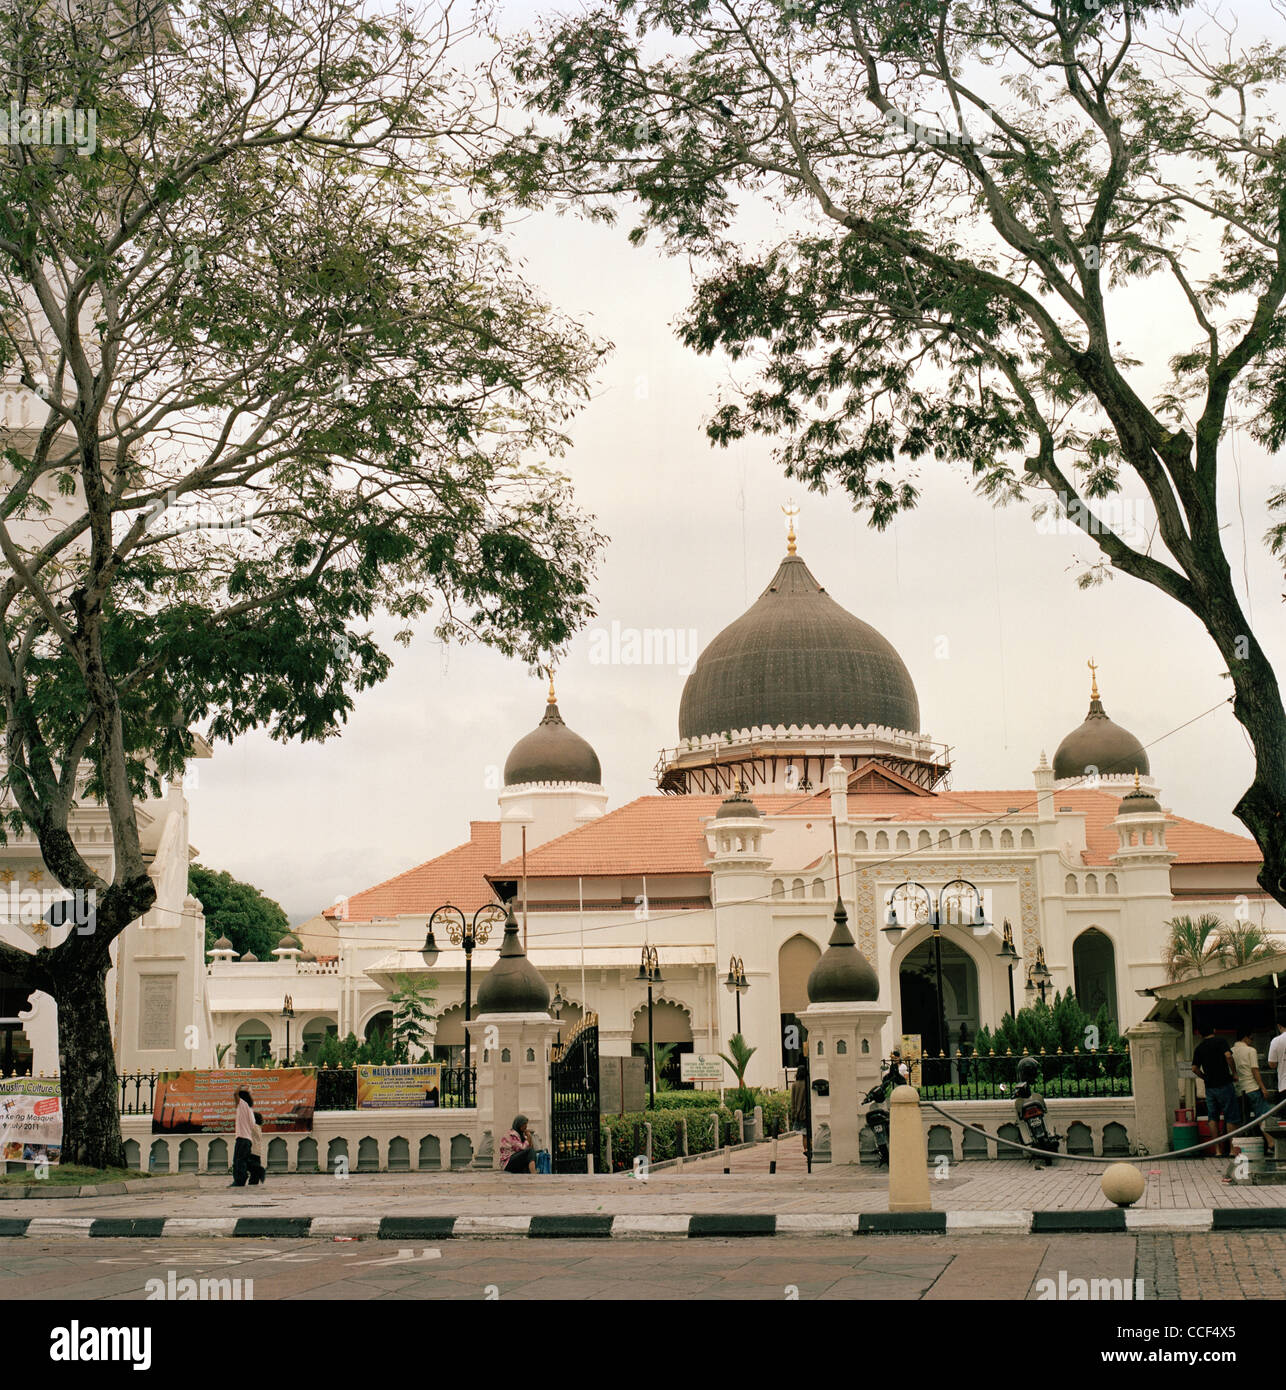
336	1089
993	1075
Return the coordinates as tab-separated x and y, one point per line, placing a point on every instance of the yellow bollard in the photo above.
908	1154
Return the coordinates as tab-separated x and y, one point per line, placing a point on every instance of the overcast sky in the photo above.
981	605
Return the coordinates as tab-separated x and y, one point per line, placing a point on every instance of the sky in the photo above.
981	604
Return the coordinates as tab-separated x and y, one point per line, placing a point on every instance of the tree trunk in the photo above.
87	1066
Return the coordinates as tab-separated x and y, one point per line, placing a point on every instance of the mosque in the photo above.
801	773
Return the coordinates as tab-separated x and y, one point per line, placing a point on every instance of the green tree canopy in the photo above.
277	376
239	911
919	231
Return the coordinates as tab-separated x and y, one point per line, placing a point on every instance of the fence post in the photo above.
647	1125
727	1159
759	1123
607	1148
683	1135
741	1126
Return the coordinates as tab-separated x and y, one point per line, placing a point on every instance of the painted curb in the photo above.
599	1226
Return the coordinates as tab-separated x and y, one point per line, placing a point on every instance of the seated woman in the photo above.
517	1152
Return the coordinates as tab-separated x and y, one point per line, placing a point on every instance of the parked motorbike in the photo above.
1033	1113
877	1120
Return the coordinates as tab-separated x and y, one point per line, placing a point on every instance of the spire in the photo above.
1093	679
553	699
792	511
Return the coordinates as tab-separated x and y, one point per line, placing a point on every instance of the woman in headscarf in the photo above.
517	1152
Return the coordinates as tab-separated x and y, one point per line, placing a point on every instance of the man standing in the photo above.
1212	1061
1277	1058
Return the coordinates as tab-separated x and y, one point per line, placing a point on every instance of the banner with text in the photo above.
31	1120
415	1086
205	1102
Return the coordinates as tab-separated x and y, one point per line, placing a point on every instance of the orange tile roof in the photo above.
458	876
658	835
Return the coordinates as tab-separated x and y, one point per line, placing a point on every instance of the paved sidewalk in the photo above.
1188	1191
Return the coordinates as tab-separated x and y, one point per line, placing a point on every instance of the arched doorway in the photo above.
448	1040
316	1031
254	1043
795	963
671	1035
382	1024
1094	972
956	1018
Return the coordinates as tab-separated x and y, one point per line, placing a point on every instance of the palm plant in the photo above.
1245	942
743	1097
1196	945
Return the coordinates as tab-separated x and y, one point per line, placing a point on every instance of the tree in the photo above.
239	911
412	1015
279	377
959	195
1246	942
1196	945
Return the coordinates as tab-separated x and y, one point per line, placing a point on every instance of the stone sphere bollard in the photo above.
1123	1184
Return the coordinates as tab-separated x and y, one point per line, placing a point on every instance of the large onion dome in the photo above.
1099	746
842	975
513	985
552	753
796	657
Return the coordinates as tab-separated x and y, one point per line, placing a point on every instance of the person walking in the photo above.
244	1130
1251	1091
257	1165
1212	1061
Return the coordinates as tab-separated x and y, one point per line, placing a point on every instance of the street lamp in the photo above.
558	1004
737	983
1038	976
1009	954
287	1012
650	975
466	932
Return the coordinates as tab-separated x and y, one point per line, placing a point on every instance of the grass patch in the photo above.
70	1175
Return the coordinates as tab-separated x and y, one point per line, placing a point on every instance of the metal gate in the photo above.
573	1084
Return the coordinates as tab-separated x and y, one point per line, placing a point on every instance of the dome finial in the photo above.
1093	679
792	511
1136	779
553	699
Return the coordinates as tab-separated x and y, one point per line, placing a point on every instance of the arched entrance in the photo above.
1094	972
254	1043
316	1031
956	1018
382	1024
671	1035
448	1040
795	963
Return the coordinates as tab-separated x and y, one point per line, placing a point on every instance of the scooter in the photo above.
1032	1111
877	1120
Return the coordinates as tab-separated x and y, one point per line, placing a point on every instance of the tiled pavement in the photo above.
696	1188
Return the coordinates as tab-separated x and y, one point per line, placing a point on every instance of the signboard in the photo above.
415	1086
31	1120
205	1102
700	1066
912	1052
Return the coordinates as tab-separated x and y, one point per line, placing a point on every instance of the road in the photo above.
1199	1266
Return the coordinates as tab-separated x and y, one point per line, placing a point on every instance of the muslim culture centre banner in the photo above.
31	1120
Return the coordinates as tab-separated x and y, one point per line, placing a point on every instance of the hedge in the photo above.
701	1138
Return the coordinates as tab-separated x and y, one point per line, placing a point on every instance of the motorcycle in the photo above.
877	1120
1032	1111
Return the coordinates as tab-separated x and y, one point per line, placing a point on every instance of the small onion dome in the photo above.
250	955
738	806
843	975
513	985
552	753
309	957
1139	803
1099	745
223	944
288	943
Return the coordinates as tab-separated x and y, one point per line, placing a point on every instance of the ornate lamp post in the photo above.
1038	977
461	931
650	975
737	983
1009	954
287	1012
557	1004
937	908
